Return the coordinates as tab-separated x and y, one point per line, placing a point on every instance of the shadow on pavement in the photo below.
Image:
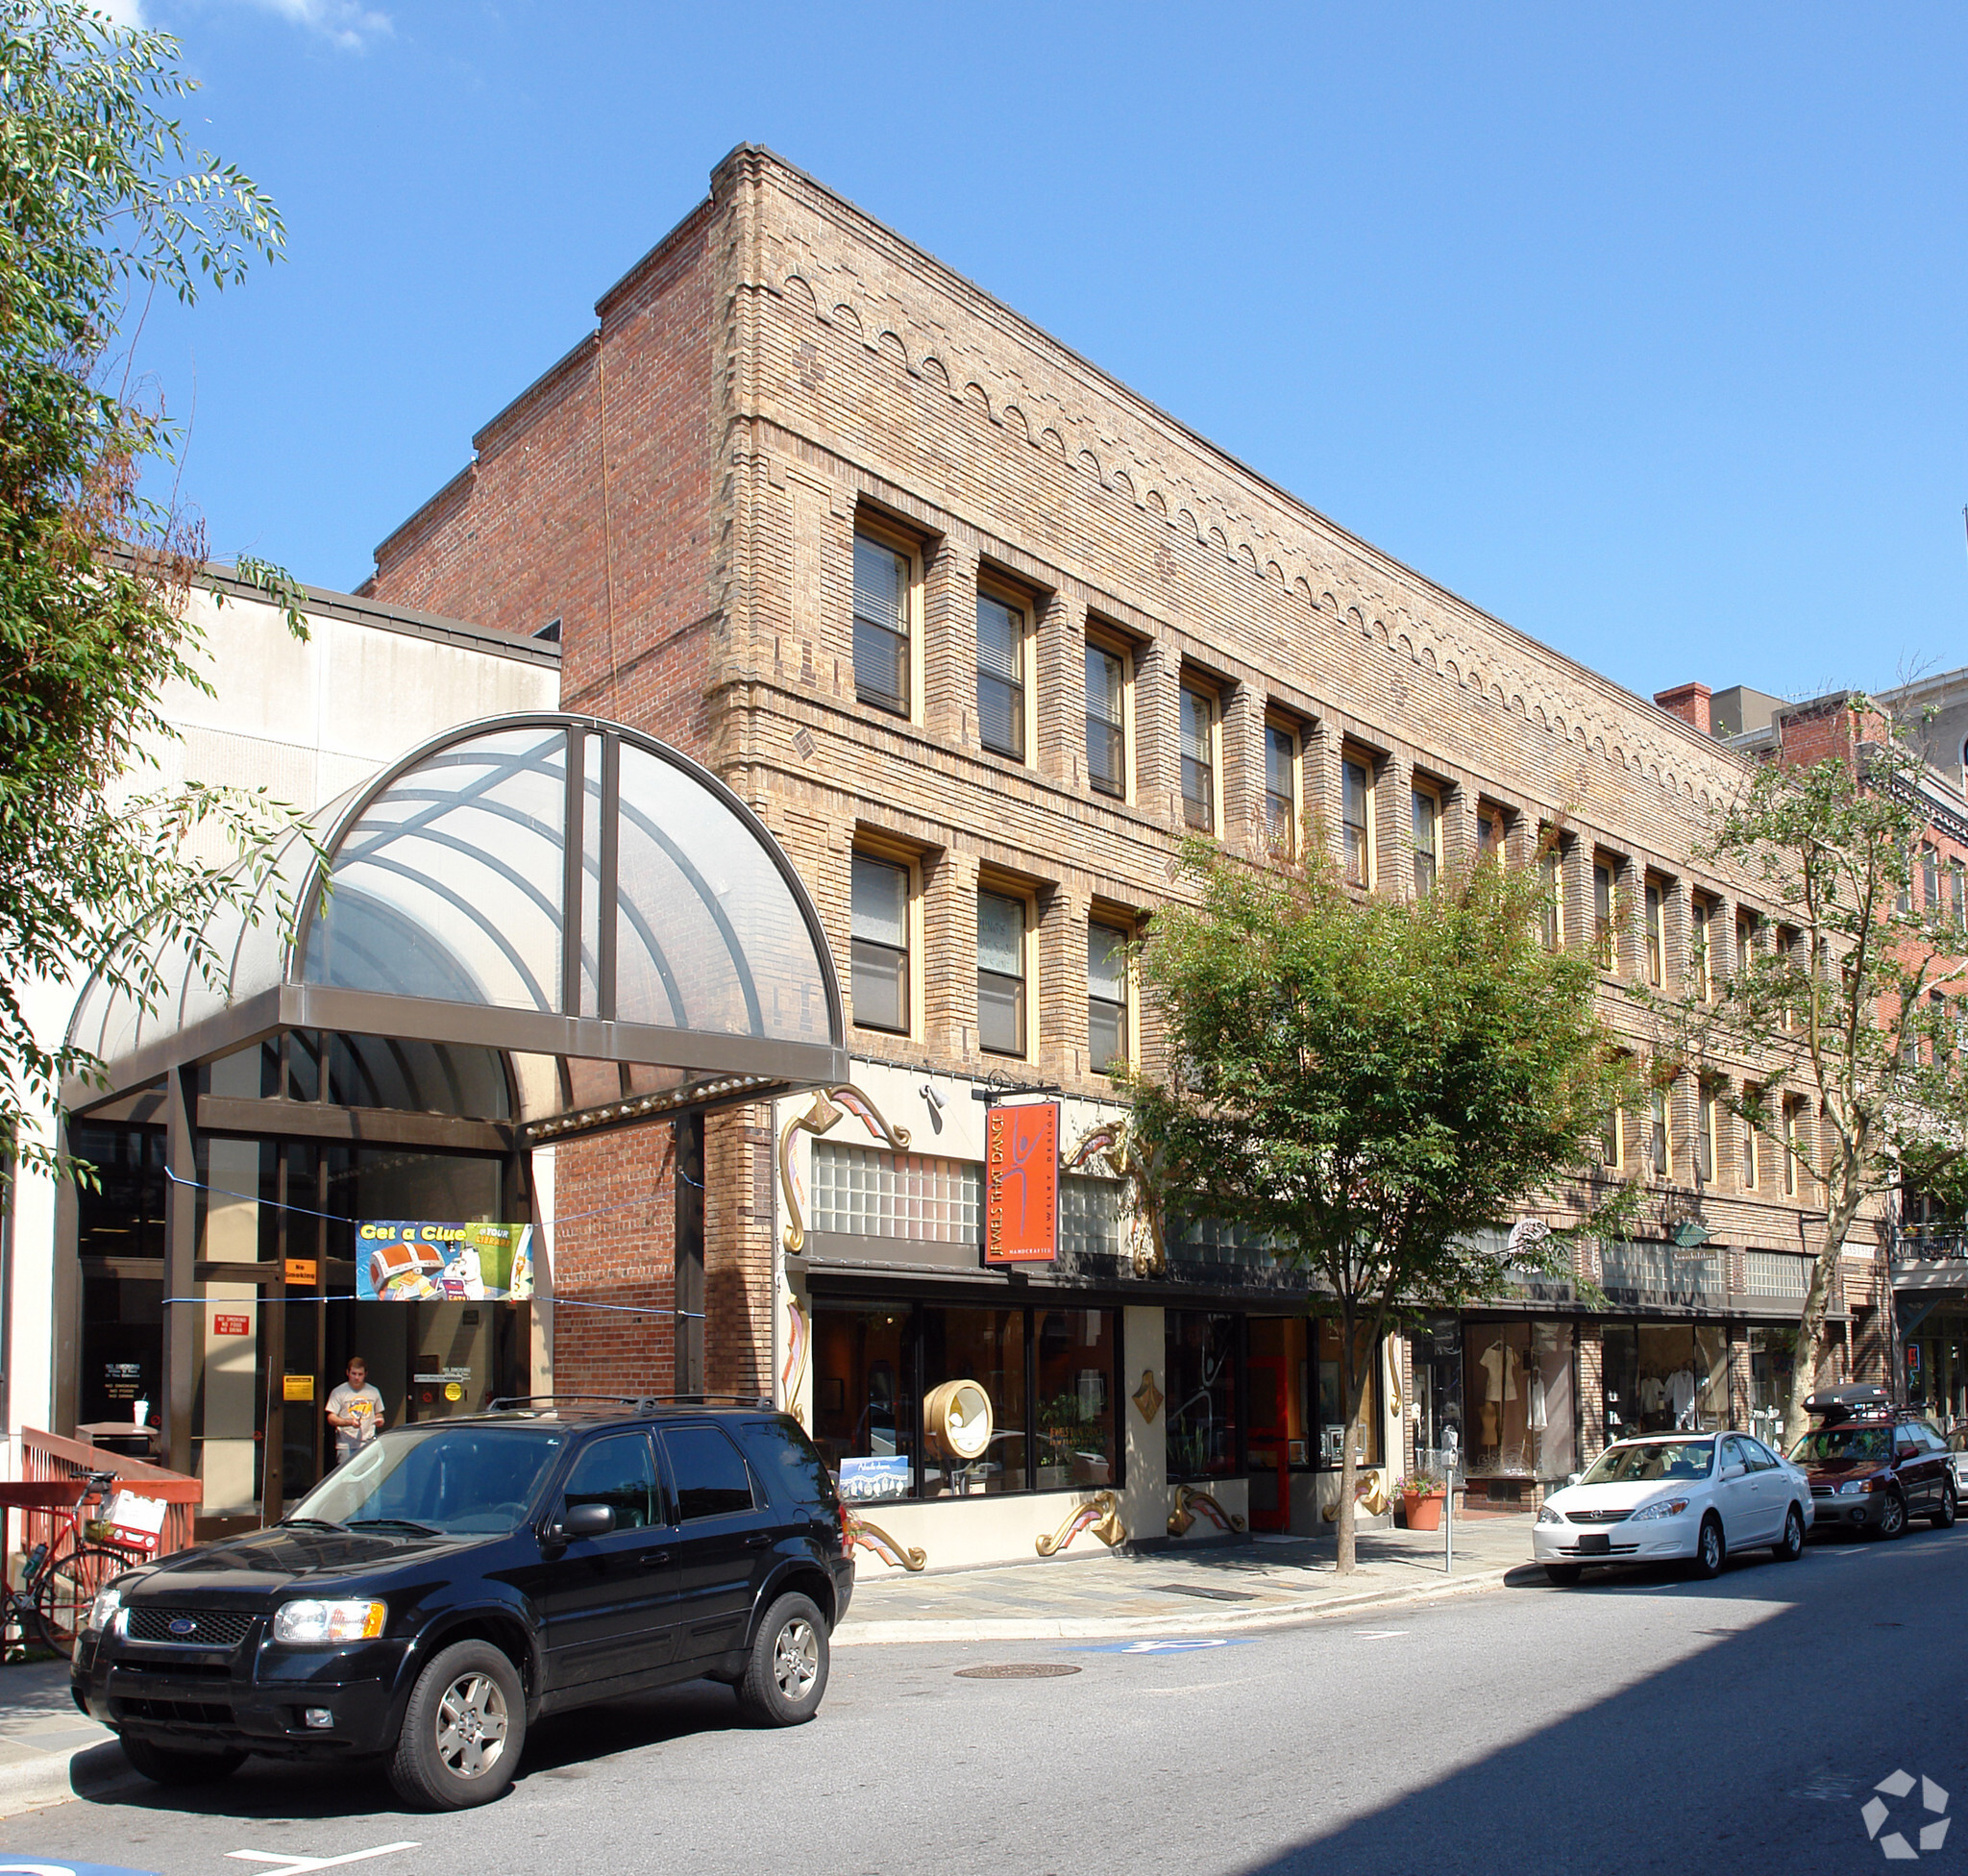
563	1747
1754	1751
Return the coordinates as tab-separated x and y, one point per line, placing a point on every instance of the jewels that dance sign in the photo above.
1021	1184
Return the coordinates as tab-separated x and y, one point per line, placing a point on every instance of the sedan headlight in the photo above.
314	1625
104	1609
1851	1488
1550	1515
1660	1508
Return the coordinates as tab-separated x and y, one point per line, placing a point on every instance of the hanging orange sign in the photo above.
1021	1184
301	1270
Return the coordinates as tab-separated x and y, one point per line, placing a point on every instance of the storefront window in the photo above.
1332	1403
987	1347
1076	1356
1277	1368
1441	1442
1665	1377
1772	1360
901	1394
1523	1404
1200	1354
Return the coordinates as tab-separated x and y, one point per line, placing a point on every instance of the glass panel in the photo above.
1000	677
1281	785
418	1077
619	1472
794	1471
881	901
1002	934
122	1214
1106	994
708	1474
1200	1360
864	1399
1000	1014
122	1347
450	884
709	935
881	958
1426	814
591	877
1354	811
1198	777
1332	1403
1105	750
879	992
985	1346
1075	1355
881	624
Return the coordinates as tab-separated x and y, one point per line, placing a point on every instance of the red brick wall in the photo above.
624	1256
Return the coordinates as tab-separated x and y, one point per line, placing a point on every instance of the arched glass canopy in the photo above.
581	897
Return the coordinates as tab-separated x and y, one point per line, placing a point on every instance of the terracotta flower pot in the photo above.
1424	1508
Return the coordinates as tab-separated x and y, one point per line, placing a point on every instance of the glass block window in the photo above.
866	1192
1091	1223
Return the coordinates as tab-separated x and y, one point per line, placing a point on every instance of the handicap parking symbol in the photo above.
13	1863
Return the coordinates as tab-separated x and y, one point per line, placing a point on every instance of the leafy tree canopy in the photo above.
1378	1087
103	205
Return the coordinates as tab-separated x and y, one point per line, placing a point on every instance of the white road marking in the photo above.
285	1863
1378	1633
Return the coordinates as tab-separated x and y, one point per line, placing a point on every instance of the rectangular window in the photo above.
1199	759
1551	869
1701	947
1705	1133
1657	1143
882	580
1613	1142
1074	1353
1931	883
1427	813
1200	1356
880	944
1001	974
1960	876
1106	996
1604	937
1354	810
1657	935
1106	720
1002	676
1492	831
980	1348
1331	1397
1792	1109
1745	942
1752	1174
1281	789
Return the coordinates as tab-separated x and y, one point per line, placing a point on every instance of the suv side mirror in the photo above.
587	1521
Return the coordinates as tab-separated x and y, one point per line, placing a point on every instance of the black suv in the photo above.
1872	1464
455	1581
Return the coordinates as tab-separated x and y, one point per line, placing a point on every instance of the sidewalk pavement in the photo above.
41	1730
1261	1582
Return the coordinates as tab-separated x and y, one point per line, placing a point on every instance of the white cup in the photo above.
139	1411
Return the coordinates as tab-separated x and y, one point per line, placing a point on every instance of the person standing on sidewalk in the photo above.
355	1412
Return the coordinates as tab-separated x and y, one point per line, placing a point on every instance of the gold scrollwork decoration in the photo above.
794	1370
828	1106
1188	1501
1099	1514
1370	1493
872	1537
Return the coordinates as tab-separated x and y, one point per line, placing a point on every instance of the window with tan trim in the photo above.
1605	914
1108	1043
1110	675
885	573
1004	633
1199	712
1659	1160
1752	1172
1793	1118
1280	787
880	917
1705	1131
1492	832
1656	933
1612	1139
1701	947
1551	866
1427	826
1004	926
1355	818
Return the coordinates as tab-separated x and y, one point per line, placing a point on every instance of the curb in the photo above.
872	1634
36	1785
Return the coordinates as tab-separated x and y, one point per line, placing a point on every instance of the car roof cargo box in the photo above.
1862	1398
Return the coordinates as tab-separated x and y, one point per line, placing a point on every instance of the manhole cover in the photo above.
1017	1671
1196	1590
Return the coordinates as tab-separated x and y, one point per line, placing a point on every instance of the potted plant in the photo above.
1421	1501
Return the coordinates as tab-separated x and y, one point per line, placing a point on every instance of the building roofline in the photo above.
1378	557
325	603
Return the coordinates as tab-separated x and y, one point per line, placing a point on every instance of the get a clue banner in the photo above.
416	1261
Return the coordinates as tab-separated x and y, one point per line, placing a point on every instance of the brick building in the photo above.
979	633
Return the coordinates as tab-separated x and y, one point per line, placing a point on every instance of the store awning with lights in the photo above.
599	909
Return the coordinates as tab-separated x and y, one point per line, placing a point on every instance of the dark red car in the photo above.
1873	1466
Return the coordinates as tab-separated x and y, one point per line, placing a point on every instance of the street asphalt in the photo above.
1640	1723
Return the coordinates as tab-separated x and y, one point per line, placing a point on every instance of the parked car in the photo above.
1958	1449
453	1582
1873	1466
1674	1496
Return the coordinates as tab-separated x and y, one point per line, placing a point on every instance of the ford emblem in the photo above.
183	1625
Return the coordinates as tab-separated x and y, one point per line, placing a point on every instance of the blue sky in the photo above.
1643	328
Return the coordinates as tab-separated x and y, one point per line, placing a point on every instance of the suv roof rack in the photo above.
1860	1400
637	1402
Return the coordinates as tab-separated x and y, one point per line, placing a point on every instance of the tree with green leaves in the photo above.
103	205
1377	1087
1857	1012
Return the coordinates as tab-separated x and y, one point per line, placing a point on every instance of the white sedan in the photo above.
1673	1496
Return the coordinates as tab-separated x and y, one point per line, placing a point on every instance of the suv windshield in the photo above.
450	1480
1658	1458
1843	1442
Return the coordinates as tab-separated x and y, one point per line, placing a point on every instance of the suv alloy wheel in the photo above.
786	1673
463	1728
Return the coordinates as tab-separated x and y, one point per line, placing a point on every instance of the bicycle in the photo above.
61	1579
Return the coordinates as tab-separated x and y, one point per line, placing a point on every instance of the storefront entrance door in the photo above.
1269	1448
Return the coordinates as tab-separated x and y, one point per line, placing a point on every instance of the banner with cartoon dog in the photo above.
415	1261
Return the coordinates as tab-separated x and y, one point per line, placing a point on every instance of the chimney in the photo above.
1690	703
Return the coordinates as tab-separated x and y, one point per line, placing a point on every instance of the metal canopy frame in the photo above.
576	1019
